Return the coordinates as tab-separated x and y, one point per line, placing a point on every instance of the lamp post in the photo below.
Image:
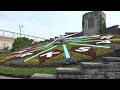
20	29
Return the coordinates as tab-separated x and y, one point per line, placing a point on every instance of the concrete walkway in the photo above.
5	77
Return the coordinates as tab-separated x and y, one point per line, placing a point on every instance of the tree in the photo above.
102	23
20	43
5	49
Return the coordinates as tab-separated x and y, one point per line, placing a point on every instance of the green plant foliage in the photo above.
102	23
79	56
102	51
25	72
55	60
20	43
34	61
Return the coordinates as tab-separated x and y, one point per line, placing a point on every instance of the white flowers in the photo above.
23	55
104	41
106	37
83	49
21	51
49	54
94	36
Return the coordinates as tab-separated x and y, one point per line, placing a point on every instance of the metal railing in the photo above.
18	34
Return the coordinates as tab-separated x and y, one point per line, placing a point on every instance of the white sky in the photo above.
48	24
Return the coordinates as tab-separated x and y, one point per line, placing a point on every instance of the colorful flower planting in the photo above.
90	52
82	49
15	57
43	57
55	61
80	57
32	62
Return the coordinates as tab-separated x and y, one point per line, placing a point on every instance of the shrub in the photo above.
20	43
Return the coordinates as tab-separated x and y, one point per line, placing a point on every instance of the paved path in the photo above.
5	77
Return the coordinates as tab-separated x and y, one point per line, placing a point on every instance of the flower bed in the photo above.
90	52
16	58
102	51
34	61
80	56
9	60
57	60
44	58
20	52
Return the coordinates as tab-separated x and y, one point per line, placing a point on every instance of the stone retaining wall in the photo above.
108	68
110	30
69	73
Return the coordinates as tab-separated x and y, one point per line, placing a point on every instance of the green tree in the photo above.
20	43
102	23
5	49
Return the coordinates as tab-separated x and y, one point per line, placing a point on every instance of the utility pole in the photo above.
20	29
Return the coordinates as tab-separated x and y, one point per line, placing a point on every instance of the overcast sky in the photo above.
49	24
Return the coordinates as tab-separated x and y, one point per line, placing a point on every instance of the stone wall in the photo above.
109	68
91	22
118	30
76	35
69	73
111	30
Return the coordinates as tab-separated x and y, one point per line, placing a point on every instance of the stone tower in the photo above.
92	22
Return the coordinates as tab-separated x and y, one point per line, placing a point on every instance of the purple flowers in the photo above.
17	62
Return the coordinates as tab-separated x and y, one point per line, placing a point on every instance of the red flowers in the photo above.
44	58
91	52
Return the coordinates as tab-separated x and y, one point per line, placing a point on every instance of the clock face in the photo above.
75	49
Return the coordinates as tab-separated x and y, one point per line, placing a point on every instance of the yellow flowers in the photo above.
79	56
102	51
34	61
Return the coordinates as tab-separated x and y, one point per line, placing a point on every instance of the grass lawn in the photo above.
1	50
27	72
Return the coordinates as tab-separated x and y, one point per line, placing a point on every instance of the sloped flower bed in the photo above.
17	62
44	58
102	51
19	58
80	56
91	52
55	61
16	58
32	62
20	52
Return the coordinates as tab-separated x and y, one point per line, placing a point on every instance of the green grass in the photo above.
28	72
60	47
25	72
1	50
